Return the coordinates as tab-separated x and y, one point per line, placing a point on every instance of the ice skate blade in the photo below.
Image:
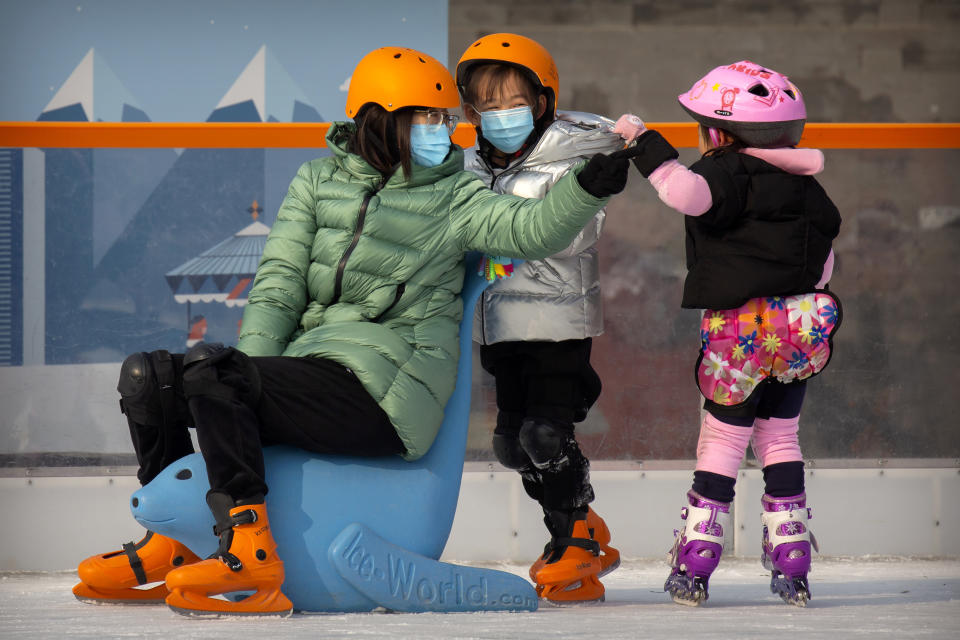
614	565
268	603
561	604
568	597
586	591
195	613
91	595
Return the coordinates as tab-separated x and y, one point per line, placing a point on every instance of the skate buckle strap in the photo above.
590	545
248	516
705	523
786	526
547	548
232	561
166	379
130	548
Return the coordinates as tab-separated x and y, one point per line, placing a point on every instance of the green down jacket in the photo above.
376	287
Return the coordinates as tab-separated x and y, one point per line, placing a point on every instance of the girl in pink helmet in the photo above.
759	229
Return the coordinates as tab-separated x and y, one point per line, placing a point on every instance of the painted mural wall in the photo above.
104	252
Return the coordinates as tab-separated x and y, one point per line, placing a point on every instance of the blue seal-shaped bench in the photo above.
357	533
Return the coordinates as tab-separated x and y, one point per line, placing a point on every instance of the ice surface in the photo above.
893	597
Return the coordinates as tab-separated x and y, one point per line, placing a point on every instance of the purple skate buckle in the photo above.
791	528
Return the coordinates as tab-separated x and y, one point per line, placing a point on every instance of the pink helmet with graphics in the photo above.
757	105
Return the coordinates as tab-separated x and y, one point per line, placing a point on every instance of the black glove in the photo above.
654	151
605	174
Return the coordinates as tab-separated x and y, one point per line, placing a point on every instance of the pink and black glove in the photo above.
653	150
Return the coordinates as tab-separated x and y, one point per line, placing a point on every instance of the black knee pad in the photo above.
544	442
509	452
150	389
215	371
562	469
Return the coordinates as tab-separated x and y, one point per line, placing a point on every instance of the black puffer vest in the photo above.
768	233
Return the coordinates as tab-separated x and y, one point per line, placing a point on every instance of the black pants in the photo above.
552	380
553	383
311	403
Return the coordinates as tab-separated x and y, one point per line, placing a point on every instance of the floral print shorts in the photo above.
787	338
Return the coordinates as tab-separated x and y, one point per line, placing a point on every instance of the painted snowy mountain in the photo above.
93	93
264	92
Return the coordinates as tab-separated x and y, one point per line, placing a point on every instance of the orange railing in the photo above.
256	135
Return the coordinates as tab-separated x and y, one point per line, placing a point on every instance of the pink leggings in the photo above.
721	446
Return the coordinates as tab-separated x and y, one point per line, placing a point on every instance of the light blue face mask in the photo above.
508	129
429	144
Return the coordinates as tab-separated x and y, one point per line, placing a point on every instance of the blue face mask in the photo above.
429	144
508	129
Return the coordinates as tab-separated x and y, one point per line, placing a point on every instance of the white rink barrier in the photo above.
53	522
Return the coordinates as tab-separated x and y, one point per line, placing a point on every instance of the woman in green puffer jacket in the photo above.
349	339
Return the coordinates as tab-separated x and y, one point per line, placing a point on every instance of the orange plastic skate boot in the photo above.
570	572
247	560
120	576
609	556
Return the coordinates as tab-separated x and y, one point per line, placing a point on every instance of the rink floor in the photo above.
866	598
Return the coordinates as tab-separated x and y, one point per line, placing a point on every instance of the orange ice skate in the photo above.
609	556
121	576
570	570
246	561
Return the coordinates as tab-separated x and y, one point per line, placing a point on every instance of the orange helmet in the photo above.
519	51
396	77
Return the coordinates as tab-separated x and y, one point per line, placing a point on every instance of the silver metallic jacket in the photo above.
557	298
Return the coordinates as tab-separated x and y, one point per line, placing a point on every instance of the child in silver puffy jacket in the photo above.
536	322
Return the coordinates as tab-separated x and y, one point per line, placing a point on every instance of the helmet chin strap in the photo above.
714	134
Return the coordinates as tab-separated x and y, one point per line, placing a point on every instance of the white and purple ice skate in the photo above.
786	546
697	548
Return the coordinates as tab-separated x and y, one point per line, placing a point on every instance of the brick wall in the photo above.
855	60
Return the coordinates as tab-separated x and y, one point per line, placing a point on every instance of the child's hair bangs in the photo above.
486	83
